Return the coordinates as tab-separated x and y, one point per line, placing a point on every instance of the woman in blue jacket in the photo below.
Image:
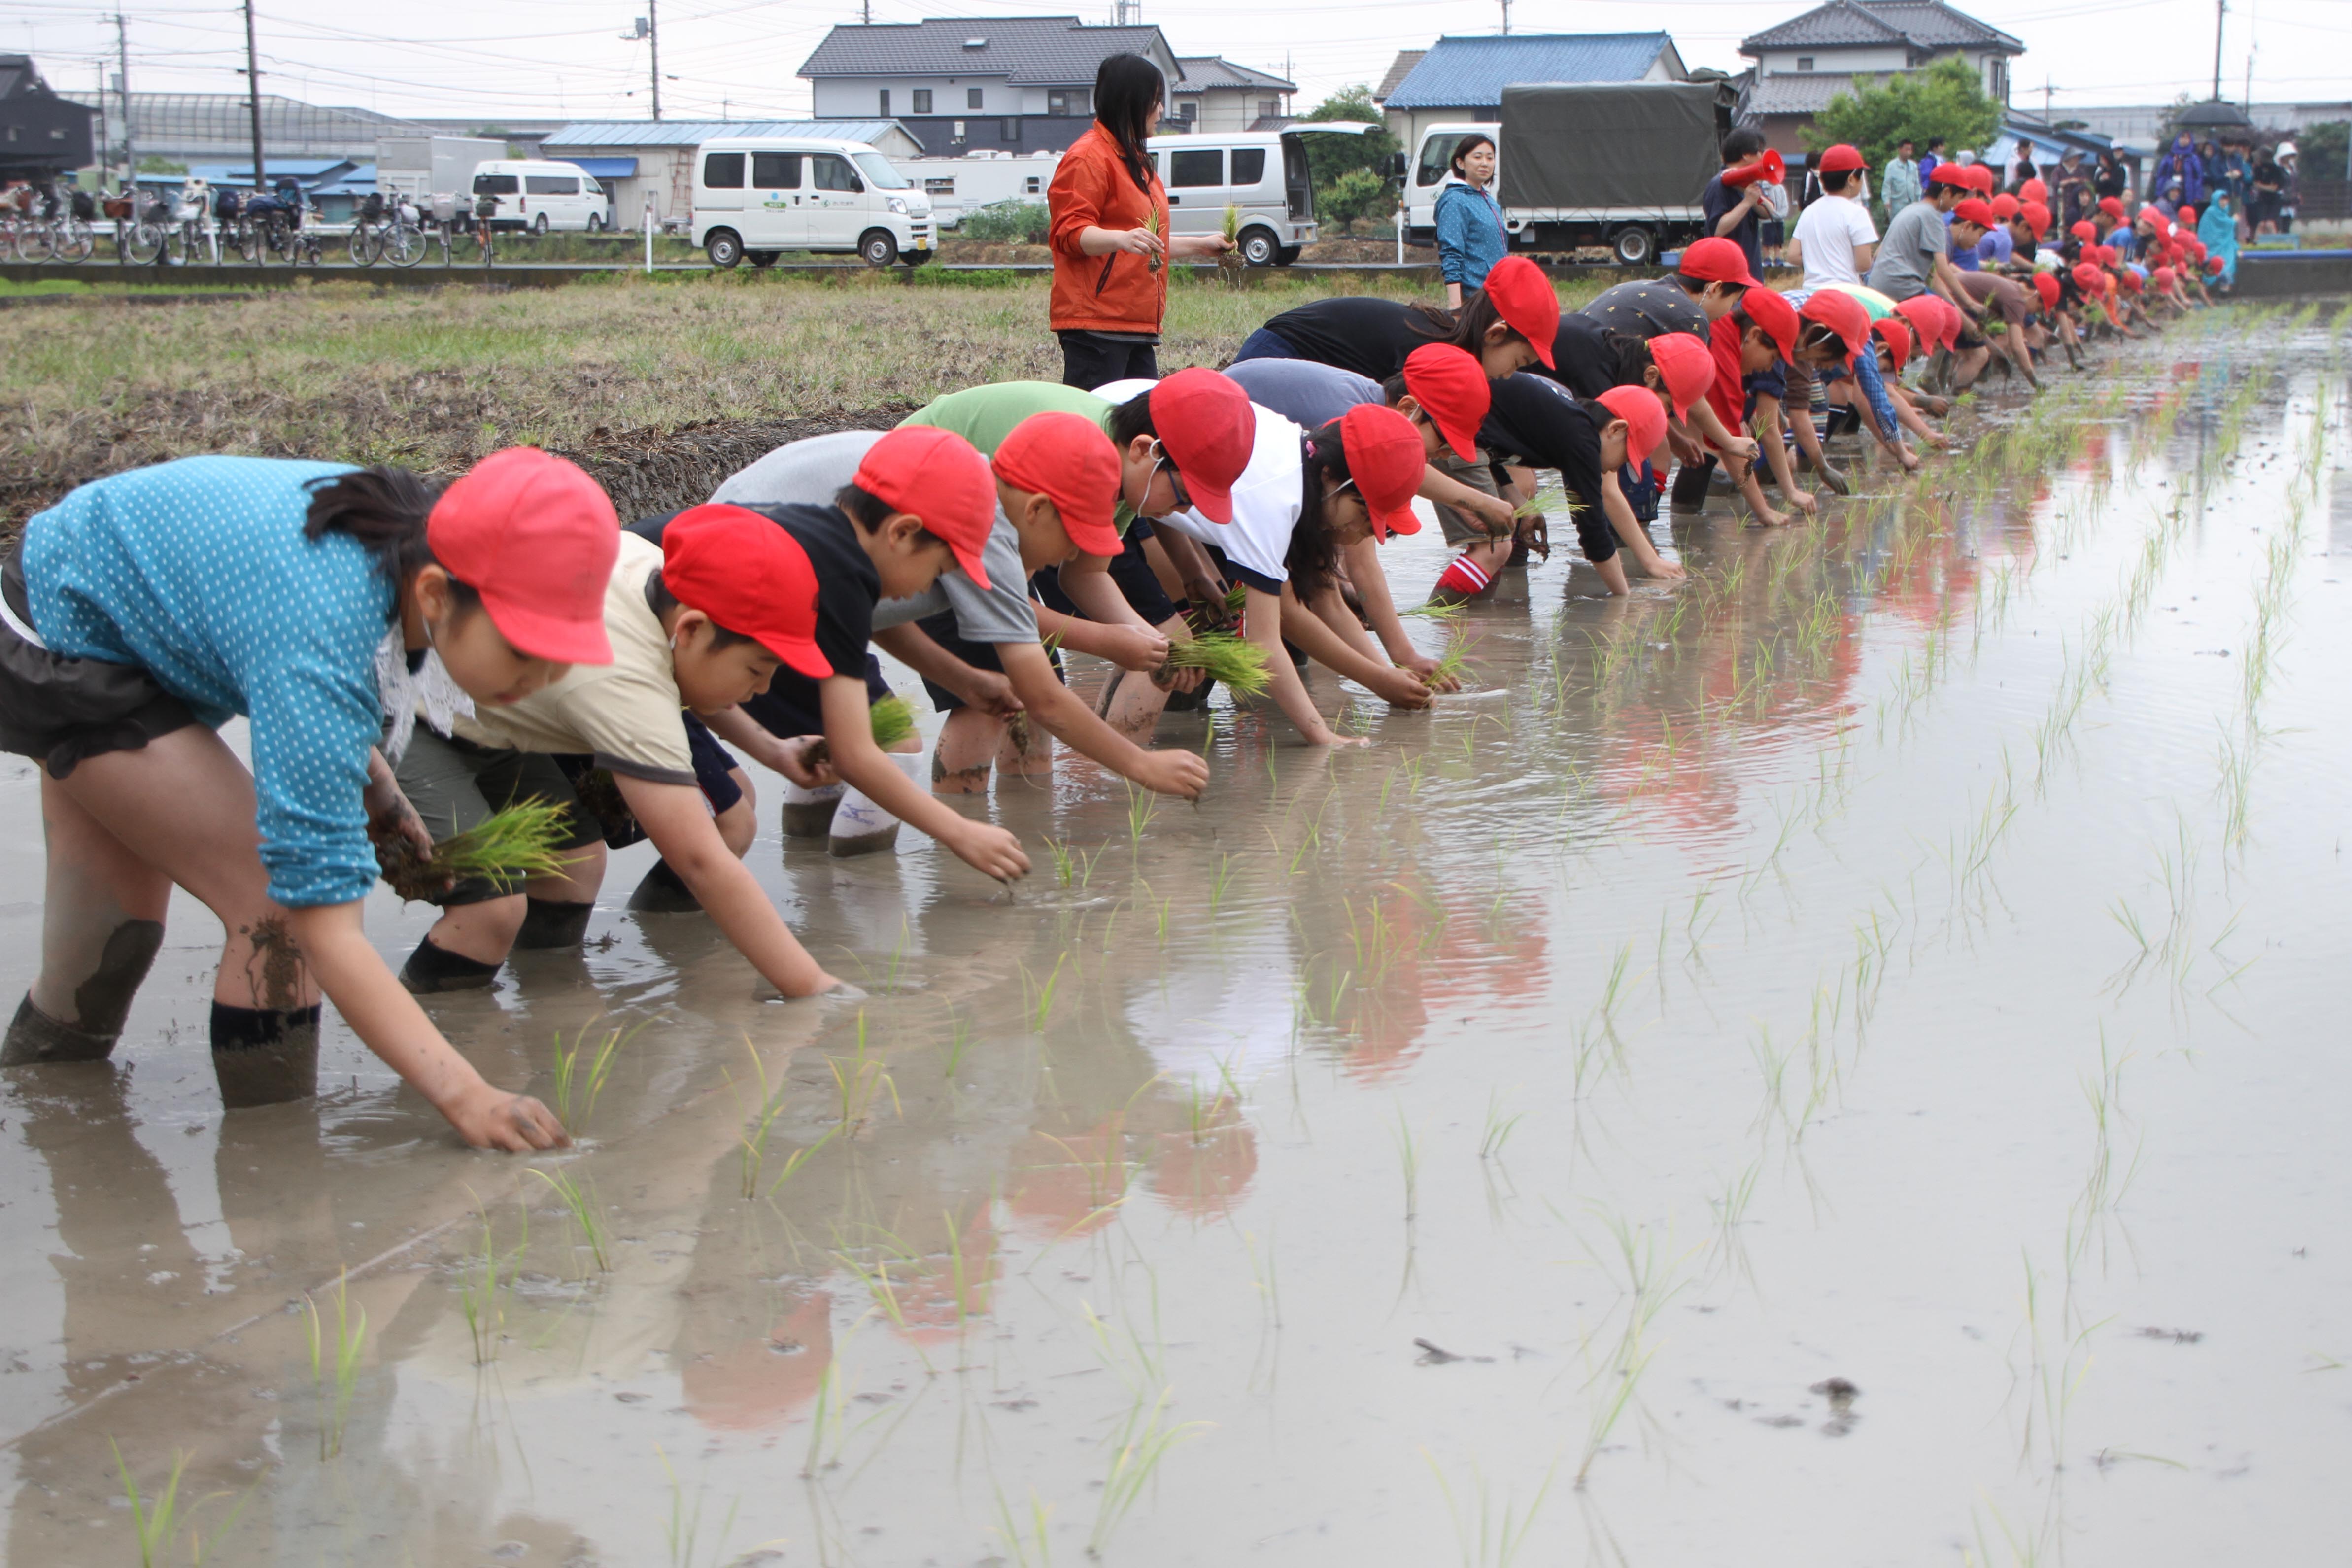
1470	233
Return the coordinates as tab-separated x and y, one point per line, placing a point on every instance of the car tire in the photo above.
761	258
596	223
1259	247
724	247
919	258
1633	247
1287	255
876	247
539	224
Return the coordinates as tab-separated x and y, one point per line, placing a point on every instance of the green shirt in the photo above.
985	415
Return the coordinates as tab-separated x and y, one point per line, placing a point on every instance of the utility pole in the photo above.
2046	91
1507	18
2220	9
122	84
653	46
253	98
105	131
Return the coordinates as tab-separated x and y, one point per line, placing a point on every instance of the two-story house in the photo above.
1218	95
1463	78
1015	84
1805	61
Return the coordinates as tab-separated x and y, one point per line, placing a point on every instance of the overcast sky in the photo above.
540	59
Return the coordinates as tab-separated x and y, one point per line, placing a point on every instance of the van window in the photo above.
938	187
496	186
880	173
551	184
829	172
723	171
1196	166
1436	161
775	171
1249	166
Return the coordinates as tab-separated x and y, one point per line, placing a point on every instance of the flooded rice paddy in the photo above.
1832	1064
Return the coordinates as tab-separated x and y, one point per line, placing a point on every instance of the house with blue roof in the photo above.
1463	78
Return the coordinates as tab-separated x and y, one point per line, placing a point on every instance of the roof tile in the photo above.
1027	51
1471	73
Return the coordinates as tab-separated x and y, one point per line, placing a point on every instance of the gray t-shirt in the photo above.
809	472
1306	394
1906	258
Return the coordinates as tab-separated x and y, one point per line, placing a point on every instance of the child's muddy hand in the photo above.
1426	667
991	693
1136	648
807	761
1805	501
492	1119
1400	687
1184	774
1667	571
1207	596
991	851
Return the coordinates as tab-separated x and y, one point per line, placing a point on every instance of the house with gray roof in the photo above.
1218	95
1463	78
1805	61
964	85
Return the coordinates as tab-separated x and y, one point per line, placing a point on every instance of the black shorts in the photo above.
941	629
714	767
59	711
794	704
1130	569
456	785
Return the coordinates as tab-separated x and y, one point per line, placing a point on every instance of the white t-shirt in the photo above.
1827	233
1265	499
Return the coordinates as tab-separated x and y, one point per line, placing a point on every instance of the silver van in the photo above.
1263	174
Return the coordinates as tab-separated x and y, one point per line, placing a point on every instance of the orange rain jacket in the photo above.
1113	293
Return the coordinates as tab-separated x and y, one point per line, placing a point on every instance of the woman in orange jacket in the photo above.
1110	233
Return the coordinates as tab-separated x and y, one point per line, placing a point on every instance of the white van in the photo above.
757	197
1262	173
543	195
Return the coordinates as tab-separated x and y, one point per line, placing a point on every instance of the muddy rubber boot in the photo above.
808	813
35	1037
550	924
1687	493
265	1056
664	893
861	827
433	969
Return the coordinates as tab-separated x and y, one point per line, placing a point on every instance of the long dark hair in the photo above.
1467	145
1313	559
385	509
1465	331
1125	87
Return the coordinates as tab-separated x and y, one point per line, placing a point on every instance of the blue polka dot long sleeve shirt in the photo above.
197	572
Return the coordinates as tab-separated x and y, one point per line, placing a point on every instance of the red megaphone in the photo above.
1772	168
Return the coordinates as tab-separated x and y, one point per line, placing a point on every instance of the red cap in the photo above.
1898	333
1933	319
2112	205
1644	418
1975	211
2084	230
1842	313
2128	281
1716	259
1451	386
1204	422
935	475
2037	217
1067	458
2004	206
2195	248
1956	175
2047	285
2034	191
2165	277
1685	365
1772	313
1838	158
536	538
1524	298
1386	460
2088	279
2185	217
749	575
2213	265
1980	176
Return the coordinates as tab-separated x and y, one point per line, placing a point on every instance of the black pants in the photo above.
1090	359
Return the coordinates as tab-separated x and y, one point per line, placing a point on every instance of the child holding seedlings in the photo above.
1534	422
1057	485
1303	500
698	622
146	609
1750	345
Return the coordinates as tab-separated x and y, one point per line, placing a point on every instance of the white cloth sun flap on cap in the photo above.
1266	497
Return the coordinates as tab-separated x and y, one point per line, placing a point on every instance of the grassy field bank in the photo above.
660	386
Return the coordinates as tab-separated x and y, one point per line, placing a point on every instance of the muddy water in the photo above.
1842	1063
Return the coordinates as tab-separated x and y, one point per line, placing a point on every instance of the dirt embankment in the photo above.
648	472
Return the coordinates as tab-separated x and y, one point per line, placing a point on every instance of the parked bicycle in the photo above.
387	231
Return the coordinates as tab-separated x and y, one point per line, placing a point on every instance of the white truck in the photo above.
419	167
1617	164
961	186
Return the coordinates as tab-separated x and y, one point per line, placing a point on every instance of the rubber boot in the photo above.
263	1056
550	923
861	827
1688	495
808	813
102	1004
664	893
433	969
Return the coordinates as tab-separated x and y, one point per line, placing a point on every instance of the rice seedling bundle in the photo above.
892	721
1237	662
510	846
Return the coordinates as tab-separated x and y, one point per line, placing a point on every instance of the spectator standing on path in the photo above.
2181	165
1928	162
1735	214
1470	233
1899	186
1110	234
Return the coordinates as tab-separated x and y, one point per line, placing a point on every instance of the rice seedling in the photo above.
1037	1001
683	1529
509	847
1453	661
582	1205
350	1333
885	1297
892	721
483	1297
1237	662
1432	610
1409	1163
1029	1544
765	1107
580	1074
1498	1127
1218	883
854	1089
1647	1286
1072	867
960	1043
156	1520
1143	1441
1489	1541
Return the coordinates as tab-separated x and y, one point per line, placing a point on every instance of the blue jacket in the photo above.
1470	234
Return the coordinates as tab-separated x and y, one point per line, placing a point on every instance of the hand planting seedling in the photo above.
892	720
508	848
1240	664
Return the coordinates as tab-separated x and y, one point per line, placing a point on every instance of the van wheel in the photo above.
539	224
878	247
761	258
596	223
724	247
1632	246
1286	255
1258	246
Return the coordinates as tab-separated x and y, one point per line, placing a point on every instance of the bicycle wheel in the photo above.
74	242
33	242
146	243
7	242
403	245
366	245
246	243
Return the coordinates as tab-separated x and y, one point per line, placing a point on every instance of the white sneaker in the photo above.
860	827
